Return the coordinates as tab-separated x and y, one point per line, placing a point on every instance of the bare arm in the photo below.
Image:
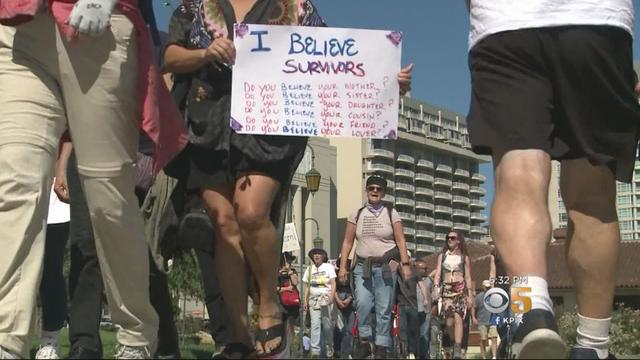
60	186
179	60
467	276
436	277
398	234
294	279
492	270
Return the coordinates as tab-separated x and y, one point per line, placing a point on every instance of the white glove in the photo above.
91	17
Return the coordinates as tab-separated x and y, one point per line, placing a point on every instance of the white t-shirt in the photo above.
58	211
320	278
492	16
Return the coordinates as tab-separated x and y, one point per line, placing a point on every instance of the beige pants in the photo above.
46	84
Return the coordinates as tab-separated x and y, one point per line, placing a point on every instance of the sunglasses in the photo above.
375	188
452	238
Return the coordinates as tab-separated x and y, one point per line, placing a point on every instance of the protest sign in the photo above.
312	81
290	240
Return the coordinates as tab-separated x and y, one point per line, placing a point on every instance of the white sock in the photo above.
50	338
594	334
539	294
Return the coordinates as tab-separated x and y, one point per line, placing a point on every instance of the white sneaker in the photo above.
6	354
132	352
411	356
48	352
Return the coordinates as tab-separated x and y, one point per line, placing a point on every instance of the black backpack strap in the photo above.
358	215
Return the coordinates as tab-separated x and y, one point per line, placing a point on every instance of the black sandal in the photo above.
237	351
263	336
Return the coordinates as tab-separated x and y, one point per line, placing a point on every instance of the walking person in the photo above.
452	286
381	249
319	295
102	85
346	316
553	80
53	287
482	319
409	323
288	290
424	292
241	178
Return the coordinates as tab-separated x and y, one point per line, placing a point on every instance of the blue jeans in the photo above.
374	293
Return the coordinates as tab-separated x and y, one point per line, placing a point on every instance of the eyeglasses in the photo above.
375	188
452	238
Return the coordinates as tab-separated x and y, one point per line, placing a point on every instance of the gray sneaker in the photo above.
6	354
132	352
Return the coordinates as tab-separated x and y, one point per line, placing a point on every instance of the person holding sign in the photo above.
238	176
241	177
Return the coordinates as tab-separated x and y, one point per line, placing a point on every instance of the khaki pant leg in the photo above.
31	122
99	80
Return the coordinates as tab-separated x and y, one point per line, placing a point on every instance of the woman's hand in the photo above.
222	50
404	79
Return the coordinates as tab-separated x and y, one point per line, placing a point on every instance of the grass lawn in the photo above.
190	350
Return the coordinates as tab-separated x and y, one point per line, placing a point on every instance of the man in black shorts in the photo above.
553	79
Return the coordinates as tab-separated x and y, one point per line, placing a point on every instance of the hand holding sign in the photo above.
222	50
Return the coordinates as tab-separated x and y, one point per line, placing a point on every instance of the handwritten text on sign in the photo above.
307	81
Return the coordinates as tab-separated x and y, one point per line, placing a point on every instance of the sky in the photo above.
435	34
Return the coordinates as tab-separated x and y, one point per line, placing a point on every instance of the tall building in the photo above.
433	176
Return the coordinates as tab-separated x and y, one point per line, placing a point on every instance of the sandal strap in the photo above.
271	333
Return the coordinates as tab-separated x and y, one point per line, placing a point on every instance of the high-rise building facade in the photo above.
434	179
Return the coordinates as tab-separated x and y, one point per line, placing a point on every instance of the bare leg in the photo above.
589	194
254	196
520	223
230	261
459	328
483	348
494	347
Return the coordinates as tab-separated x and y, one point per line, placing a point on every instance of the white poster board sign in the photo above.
312	81
290	241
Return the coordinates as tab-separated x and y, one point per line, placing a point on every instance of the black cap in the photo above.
377	180
318	251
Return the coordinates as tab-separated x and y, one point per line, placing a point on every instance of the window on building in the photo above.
626	225
563	218
623	187
625	213
627	236
624	200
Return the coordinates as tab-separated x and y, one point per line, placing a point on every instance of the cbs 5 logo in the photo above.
496	300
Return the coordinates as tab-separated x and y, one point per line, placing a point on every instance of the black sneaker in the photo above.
537	337
80	352
381	352
363	349
586	353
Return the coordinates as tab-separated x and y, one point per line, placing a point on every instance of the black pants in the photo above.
53	288
409	328
218	316
86	286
